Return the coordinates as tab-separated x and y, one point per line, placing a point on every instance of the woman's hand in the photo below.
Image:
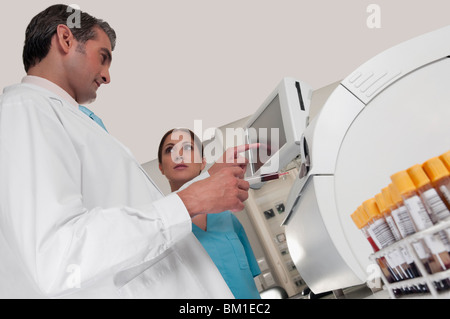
232	158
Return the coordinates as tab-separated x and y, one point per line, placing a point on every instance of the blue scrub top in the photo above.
228	246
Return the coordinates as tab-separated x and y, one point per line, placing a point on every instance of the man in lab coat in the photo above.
78	215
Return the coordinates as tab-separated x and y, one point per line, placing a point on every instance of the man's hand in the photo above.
232	158
225	190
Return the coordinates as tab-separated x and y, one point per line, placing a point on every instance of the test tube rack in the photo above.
425	278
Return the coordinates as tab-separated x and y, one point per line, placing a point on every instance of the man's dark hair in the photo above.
42	27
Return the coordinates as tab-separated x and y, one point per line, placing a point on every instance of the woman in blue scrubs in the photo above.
222	235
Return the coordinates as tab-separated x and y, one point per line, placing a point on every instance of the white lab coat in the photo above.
80	218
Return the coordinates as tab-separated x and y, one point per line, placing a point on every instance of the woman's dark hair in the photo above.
42	27
194	137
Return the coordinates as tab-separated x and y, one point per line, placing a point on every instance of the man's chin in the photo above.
88	99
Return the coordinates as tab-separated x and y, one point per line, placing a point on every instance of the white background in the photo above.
177	61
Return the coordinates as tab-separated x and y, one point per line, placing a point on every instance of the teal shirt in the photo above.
227	244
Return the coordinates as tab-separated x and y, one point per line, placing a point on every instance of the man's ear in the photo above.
64	38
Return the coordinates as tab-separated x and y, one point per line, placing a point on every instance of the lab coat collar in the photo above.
50	86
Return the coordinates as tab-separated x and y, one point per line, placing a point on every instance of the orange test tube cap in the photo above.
364	217
445	158
395	195
387	197
403	182
418	176
381	203
357	219
371	208
435	169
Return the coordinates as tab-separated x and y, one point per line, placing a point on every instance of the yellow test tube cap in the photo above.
403	182
435	169
381	203
371	208
418	175
445	158
395	195
357	219
387	197
364	217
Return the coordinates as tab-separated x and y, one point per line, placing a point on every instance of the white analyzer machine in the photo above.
389	114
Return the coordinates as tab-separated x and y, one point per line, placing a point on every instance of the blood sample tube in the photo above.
384	208
361	221
434	204
440	178
385	204
407	265
378	227
390	208
400	214
380	232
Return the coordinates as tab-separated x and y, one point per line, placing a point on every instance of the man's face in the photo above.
88	67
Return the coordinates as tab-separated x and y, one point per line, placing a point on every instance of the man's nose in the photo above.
106	77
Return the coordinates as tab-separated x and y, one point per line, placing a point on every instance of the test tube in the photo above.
445	158
391	209
400	214
440	177
380	232
386	205
361	221
434	204
406	227
407	266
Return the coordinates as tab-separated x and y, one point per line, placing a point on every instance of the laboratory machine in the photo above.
389	114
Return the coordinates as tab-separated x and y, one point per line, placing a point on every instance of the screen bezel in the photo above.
292	114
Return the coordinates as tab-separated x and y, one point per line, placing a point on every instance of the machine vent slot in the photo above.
300	98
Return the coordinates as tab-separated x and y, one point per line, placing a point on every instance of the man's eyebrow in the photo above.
108	53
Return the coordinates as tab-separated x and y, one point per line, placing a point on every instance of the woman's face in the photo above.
181	159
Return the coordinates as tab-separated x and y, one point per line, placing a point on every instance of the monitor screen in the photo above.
269	131
278	125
